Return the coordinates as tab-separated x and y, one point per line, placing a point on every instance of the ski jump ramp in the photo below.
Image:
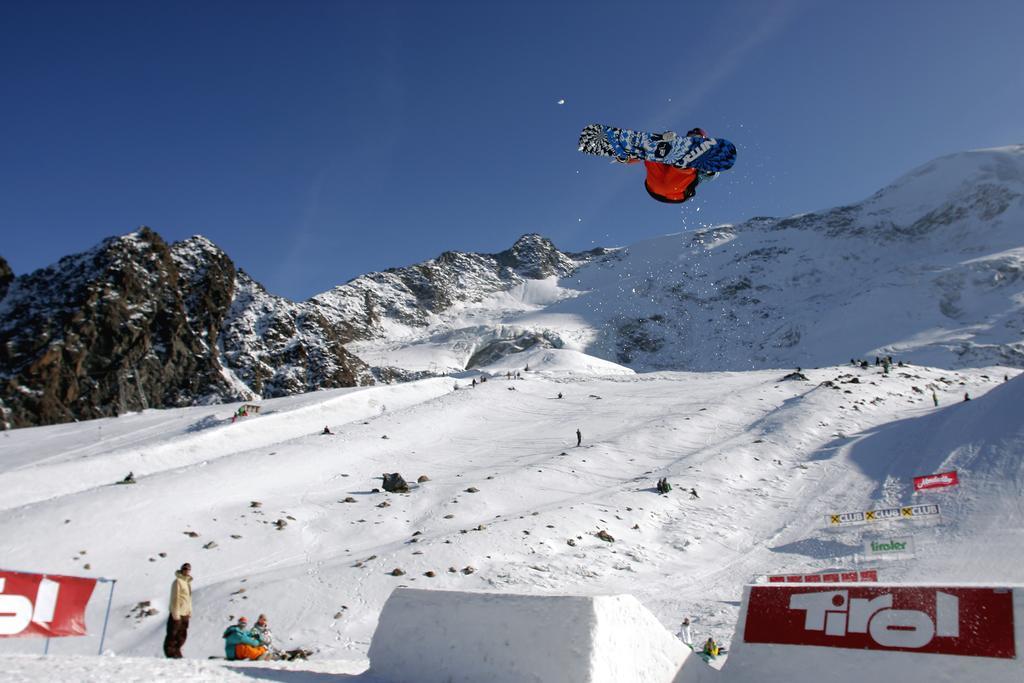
787	633
432	636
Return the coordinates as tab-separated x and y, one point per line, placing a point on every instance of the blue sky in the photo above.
315	141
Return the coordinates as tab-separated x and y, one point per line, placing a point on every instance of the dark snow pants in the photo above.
177	632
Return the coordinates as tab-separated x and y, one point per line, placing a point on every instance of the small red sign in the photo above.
832	577
973	622
43	605
936	481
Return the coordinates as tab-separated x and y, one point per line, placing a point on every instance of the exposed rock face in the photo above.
412	296
104	332
135	324
277	348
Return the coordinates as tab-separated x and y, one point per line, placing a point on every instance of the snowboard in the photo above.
706	154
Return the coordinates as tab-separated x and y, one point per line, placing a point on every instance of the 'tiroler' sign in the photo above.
889	547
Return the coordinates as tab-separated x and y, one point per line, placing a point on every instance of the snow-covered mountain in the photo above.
929	269
136	323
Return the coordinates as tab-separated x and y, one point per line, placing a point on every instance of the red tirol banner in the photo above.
974	622
936	481
43	605
868	575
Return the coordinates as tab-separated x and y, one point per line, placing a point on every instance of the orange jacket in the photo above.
670	184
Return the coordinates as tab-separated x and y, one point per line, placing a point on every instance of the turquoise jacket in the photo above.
236	636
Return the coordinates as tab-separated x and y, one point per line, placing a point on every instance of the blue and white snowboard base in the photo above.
706	154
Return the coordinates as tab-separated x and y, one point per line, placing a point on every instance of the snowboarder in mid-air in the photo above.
673	185
675	164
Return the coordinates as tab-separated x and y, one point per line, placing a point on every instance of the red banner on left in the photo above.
43	605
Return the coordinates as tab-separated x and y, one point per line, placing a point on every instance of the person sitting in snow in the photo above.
261	632
327	430
238	644
711	647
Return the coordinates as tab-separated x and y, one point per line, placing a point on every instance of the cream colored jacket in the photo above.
181	596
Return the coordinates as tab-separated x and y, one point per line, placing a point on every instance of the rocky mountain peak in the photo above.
535	257
136	323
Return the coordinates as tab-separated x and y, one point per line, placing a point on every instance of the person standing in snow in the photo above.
684	632
579	438
180	612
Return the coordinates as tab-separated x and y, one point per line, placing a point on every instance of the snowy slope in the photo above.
769	459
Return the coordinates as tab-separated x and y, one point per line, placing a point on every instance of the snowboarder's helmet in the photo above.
697	131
